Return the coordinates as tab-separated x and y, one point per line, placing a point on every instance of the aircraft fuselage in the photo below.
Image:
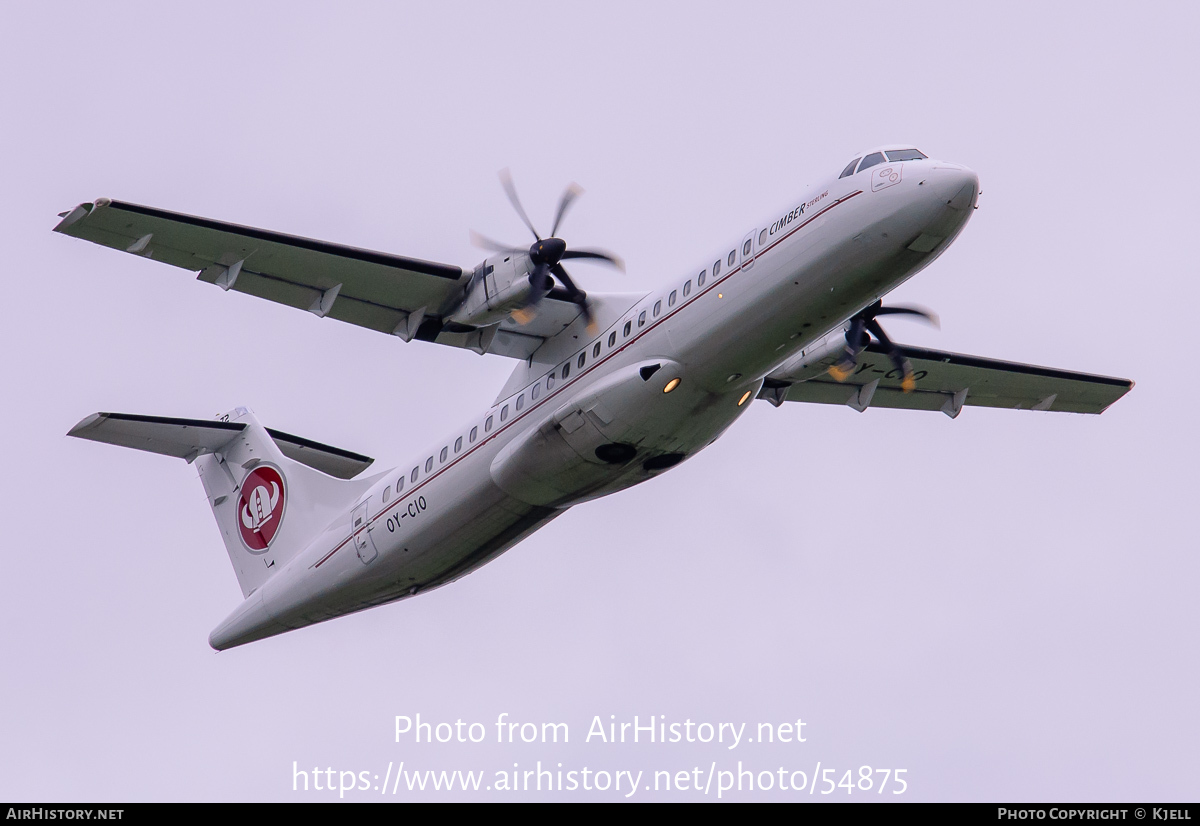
644	393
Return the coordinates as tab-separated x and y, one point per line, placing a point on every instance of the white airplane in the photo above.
608	391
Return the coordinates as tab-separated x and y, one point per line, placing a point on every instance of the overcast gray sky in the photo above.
1003	605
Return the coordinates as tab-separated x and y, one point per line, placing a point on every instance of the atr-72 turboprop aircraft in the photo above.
608	391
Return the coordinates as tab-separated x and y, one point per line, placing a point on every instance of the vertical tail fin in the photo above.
271	493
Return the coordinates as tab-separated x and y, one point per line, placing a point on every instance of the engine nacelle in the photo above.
499	286
813	360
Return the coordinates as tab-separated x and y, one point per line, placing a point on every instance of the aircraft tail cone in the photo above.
248	622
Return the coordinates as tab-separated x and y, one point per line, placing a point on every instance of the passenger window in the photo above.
536	391
429	464
700	280
612	339
671	299
520	401
687	289
762	239
871	160
487	426
416	470
849	170
399	485
746	247
566	370
387	493
732	257
642	319
458	444
596	350
628	326
504	413
442	456
474	433
657	308
582	359
550	382
716	268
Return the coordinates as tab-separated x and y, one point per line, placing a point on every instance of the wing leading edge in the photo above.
948	381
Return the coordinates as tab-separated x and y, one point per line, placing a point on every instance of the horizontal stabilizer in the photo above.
335	461
270	492
182	438
189	438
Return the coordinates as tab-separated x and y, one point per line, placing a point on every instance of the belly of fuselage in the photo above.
429	539
625	427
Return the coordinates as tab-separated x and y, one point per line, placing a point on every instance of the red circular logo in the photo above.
260	507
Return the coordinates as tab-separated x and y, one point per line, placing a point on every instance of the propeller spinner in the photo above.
547	255
857	339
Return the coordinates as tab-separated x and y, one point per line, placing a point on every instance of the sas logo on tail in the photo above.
260	507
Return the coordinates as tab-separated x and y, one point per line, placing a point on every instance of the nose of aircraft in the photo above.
955	184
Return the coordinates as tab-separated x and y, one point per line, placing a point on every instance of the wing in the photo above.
947	381
387	293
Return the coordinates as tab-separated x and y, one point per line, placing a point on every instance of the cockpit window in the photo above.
849	170
906	155
871	160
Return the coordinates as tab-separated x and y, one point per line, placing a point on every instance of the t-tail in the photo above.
271	493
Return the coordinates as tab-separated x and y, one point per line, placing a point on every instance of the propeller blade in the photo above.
855	342
560	272
572	192
541	283
598	255
907	382
856	338
546	255
928	315
877	331
485	243
842	369
506	181
577	295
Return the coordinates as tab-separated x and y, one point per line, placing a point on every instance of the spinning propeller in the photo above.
547	255
857	339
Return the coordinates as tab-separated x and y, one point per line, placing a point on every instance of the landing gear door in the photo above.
361	531
747	250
